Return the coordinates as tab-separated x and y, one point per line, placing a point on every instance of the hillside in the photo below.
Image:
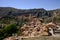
27	22
6	10
37	12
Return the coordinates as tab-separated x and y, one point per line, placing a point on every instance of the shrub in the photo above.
10	29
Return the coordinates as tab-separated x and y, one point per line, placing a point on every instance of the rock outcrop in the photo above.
35	28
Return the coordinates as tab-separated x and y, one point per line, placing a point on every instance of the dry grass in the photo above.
43	38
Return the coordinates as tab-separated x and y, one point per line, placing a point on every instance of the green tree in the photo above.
10	29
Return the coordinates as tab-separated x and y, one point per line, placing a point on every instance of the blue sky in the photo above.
27	4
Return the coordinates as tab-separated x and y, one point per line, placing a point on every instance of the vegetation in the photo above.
8	30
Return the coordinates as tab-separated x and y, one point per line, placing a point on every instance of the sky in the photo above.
30	4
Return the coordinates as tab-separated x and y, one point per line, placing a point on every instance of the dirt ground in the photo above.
43	38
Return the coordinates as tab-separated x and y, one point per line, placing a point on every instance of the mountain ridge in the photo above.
6	10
